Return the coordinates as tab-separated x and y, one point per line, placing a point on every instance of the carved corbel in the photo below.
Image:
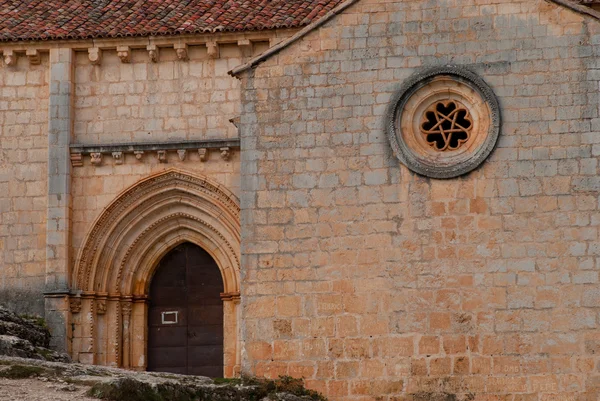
75	305
118	156
96	158
225	154
95	55
246	47
203	154
181	153
124	53
76	159
152	52
34	56
162	156
182	51
138	154
10	57
212	49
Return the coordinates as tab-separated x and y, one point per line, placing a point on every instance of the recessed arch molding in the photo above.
114	268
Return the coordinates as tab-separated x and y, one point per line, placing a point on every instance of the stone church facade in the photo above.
402	197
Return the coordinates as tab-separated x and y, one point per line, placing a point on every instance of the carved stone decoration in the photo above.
181	153
152	52
95	55
203	153
182	51
10	57
444	122
100	306
126	309
124	53
225	154
245	46
138	154
34	56
446	125
96	158
76	159
118	258
212	49
162	156
75	305
118	156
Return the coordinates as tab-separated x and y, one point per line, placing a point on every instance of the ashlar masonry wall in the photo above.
375	283
23	184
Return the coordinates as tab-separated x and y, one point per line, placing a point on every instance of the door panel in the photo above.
185	316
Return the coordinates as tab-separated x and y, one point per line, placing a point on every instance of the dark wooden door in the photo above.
185	314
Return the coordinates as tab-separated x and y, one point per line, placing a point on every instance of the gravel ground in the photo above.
39	390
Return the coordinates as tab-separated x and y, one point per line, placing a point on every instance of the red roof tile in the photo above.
81	19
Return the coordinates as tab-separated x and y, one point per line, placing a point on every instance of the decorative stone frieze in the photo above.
118	157
95	55
225	153
182	51
95	152
444	122
212	49
153	52
34	56
124	53
10	57
96	158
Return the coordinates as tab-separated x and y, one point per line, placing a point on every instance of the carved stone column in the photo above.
231	346
126	307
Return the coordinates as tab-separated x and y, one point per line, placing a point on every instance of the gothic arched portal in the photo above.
112	277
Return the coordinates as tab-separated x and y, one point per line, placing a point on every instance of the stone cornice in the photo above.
117	151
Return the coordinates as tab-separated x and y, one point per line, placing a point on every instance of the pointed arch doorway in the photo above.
185	314
109	304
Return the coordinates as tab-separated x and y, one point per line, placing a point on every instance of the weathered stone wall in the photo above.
371	281
168	100
23	184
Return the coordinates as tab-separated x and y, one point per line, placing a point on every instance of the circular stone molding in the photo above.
443	122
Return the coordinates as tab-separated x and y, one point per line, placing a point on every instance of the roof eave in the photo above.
578	8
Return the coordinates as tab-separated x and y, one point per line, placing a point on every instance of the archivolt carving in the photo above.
160	222
171	186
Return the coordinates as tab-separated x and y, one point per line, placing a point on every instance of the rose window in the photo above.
443	122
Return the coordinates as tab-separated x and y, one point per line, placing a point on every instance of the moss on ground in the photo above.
245	389
21	372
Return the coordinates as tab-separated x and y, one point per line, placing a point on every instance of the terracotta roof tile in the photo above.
81	19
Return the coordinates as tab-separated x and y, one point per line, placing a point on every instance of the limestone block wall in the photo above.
23	184
375	283
144	101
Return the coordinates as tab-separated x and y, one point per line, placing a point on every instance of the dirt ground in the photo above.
39	390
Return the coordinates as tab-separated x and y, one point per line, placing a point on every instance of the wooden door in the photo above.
185	316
